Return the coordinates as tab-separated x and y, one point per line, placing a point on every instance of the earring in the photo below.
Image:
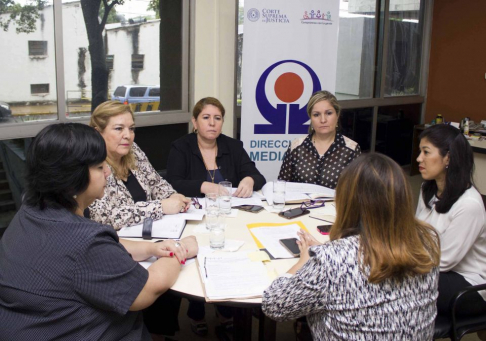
311	127
447	166
75	196
195	131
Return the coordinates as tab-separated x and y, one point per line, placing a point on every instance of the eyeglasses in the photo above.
196	203
312	204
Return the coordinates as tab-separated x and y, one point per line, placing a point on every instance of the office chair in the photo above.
455	327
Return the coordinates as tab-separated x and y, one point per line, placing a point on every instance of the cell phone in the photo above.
293	213
324	229
250	208
291	245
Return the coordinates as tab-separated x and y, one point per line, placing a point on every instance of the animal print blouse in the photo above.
340	304
117	207
302	162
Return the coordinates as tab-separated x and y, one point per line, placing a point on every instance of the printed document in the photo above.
232	276
296	192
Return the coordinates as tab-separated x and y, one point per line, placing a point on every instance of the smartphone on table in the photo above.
250	208
324	229
291	245
293	213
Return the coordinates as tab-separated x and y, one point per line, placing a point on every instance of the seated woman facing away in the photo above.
65	277
135	190
377	277
450	203
320	157
199	161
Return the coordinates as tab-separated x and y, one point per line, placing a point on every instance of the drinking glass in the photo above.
212	209
225	197
216	234
279	194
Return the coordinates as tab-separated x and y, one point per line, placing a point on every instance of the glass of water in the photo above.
212	209
225	197
216	234
279	194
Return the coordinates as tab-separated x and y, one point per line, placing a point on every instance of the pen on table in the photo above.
205	270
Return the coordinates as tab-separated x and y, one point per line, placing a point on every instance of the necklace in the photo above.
215	165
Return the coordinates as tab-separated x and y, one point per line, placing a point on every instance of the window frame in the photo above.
42	45
39	85
29	129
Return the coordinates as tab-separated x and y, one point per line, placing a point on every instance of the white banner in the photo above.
289	52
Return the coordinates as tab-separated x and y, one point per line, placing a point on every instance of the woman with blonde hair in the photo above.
135	190
377	277
319	157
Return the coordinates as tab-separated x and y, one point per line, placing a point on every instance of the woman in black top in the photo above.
199	161
65	277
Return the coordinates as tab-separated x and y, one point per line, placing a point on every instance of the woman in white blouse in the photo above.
450	203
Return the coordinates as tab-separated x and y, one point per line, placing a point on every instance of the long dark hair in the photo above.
459	174
58	162
374	201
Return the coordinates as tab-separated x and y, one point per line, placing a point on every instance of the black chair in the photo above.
455	327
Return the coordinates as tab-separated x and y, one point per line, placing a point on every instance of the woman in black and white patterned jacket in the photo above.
135	190
319	157
377	277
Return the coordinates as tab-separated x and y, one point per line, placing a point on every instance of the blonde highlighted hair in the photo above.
99	120
319	96
374	201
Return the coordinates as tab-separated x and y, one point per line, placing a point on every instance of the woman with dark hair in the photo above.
199	161
319	157
377	277
135	190
63	276
450	203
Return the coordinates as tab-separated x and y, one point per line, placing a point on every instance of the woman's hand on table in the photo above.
170	248
306	241
310	240
209	187
190	243
245	188
176	203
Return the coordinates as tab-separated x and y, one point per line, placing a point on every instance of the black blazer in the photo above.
186	170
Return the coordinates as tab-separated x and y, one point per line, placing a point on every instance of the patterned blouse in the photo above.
117	207
340	303
302	162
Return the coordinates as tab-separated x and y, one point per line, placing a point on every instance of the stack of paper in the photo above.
232	276
268	236
296	192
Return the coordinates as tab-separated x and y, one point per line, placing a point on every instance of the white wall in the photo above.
214	56
18	70
120	44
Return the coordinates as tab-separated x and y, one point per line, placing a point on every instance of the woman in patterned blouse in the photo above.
135	190
377	277
319	157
